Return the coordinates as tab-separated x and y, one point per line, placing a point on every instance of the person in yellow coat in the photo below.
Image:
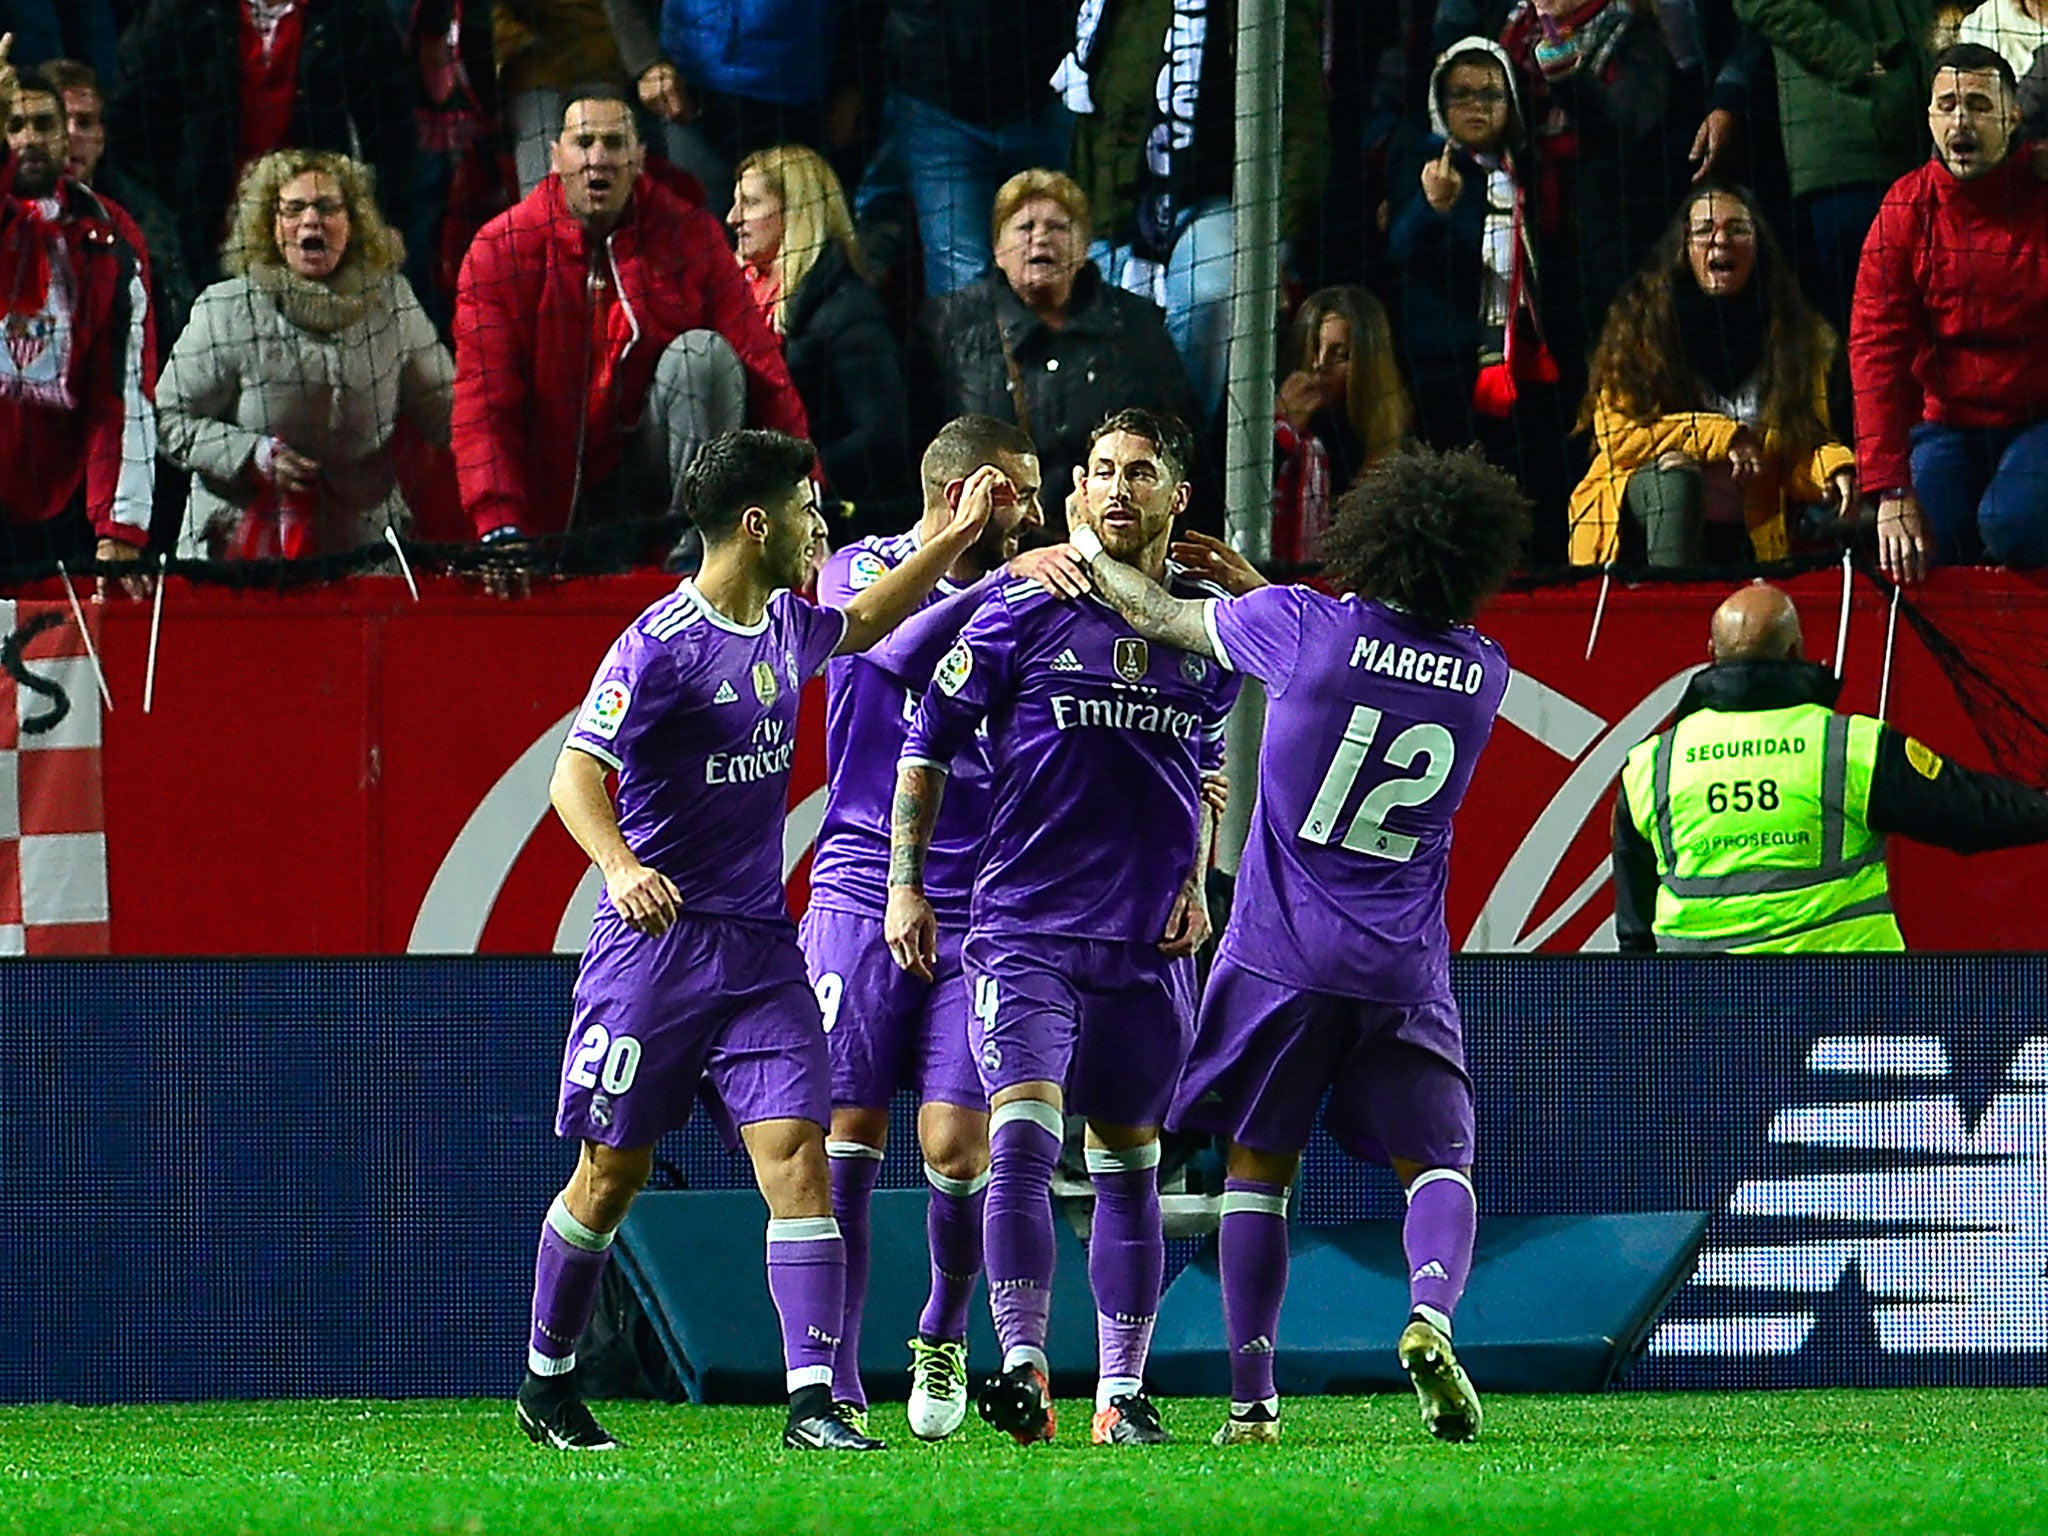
1707	400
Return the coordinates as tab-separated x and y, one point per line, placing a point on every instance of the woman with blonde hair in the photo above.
285	387
797	250
1341	408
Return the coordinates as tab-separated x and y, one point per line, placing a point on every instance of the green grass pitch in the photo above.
1804	1464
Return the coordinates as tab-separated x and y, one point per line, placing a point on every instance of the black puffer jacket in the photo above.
1113	352
172	114
848	370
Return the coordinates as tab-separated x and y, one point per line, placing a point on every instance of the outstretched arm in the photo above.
1150	609
909	926
873	611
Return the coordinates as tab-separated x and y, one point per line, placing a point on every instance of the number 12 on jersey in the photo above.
1368	833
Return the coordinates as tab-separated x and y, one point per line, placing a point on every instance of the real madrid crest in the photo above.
1131	657
1192	667
765	687
789	666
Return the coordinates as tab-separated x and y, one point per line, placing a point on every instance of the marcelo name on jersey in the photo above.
1432	669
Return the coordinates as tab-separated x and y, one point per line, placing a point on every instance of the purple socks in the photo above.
807	1279
854	1167
1442	1222
1252	1252
565	1275
952	1226
1126	1264
1024	1145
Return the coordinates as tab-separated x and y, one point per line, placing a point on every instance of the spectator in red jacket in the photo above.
1945	340
603	334
77	427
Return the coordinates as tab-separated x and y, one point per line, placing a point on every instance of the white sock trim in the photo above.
1130	1160
1026	1354
548	1365
959	1189
573	1232
804	1229
853	1149
1047	1116
1440	1173
809	1376
1241	1202
1441	1321
1107	1387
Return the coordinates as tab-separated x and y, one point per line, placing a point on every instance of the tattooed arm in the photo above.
1187	926
909	926
1148	607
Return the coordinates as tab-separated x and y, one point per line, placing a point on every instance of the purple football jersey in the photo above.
1098	739
698	715
870	699
1374	722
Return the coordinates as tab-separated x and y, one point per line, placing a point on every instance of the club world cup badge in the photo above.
1131	658
766	689
1192	667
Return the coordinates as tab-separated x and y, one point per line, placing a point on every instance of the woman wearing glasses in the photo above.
1708	401
283	391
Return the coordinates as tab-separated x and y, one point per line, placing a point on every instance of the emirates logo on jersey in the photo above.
1131	658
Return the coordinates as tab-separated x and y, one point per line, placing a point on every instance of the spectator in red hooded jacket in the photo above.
77	427
603	334
1945	339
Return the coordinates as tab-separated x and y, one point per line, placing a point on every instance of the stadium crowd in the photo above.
1716	280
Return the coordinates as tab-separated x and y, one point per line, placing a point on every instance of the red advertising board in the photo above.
344	770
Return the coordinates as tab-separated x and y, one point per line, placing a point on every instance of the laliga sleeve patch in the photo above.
865	569
953	669
1926	762
606	711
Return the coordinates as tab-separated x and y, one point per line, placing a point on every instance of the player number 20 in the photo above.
1368	832
605	1060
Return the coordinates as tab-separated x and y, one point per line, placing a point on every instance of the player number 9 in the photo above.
830	987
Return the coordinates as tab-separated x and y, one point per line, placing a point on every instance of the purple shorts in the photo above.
885	1029
1265	1052
1108	1020
712	1008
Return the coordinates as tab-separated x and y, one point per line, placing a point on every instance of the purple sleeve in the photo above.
911	650
814	632
633	686
966	682
1222	697
1260	633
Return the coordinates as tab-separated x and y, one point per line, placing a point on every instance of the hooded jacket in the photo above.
1951	305
524	356
87	418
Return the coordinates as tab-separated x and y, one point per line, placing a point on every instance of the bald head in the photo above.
1756	623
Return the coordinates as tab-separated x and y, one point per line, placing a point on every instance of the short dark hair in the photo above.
741	470
1166	432
33	82
598	90
1434	533
966	443
70	75
1976	59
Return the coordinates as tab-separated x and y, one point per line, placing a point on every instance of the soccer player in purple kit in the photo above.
886	1028
692	982
1085	912
1334	970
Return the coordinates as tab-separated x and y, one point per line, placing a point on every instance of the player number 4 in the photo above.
1368	833
620	1055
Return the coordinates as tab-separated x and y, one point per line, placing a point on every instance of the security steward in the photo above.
1757	821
